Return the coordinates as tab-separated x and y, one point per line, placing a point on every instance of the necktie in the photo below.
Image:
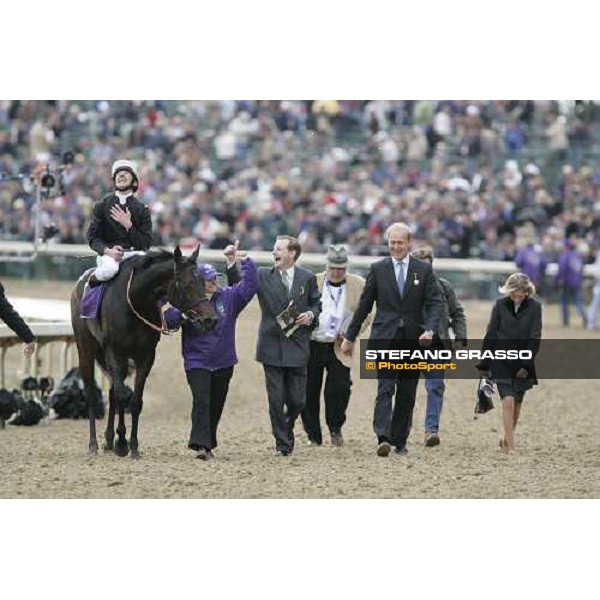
286	281
400	278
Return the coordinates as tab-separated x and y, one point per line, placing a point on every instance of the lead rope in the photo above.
164	329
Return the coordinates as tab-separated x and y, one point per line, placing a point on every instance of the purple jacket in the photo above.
533	263
215	349
570	269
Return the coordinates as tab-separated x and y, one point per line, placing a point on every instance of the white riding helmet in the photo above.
126	165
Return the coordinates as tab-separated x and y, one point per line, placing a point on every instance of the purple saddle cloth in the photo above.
92	301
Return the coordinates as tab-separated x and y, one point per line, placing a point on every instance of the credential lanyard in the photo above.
335	300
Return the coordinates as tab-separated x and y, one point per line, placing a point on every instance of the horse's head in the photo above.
187	292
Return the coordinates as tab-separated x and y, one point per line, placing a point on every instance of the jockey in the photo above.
120	225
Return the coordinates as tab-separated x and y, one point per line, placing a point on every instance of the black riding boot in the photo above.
92	281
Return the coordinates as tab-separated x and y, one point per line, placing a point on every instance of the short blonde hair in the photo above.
403	227
518	282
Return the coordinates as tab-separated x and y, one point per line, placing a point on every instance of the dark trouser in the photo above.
209	392
336	393
394	426
286	390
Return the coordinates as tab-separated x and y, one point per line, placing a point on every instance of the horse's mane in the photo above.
151	257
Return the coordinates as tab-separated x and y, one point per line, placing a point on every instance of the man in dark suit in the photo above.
453	316
283	344
409	306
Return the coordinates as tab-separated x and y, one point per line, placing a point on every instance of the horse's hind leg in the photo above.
142	371
86	370
109	432
86	351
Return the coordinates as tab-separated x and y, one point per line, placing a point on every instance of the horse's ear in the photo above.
177	255
194	256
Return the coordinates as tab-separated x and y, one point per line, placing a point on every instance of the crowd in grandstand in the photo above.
465	175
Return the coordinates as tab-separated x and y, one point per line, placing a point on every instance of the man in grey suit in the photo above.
409	307
290	304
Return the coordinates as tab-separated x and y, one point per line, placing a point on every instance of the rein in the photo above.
163	329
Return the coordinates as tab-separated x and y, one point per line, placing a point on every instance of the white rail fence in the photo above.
463	265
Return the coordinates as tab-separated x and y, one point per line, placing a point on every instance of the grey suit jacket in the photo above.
273	347
418	310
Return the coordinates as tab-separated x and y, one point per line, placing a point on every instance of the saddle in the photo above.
91	300
90	305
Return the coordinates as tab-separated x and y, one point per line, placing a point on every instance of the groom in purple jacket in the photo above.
532	261
209	356
569	280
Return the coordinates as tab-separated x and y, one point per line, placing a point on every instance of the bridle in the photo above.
190	314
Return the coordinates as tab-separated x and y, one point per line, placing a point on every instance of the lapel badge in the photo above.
416	279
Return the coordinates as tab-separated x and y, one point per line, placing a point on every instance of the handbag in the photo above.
485	391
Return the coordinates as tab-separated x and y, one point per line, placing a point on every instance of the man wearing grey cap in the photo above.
340	292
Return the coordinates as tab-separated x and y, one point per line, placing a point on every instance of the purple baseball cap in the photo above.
207	271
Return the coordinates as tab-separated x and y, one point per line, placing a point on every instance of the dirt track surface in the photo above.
558	440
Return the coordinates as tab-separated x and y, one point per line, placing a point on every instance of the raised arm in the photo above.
248	286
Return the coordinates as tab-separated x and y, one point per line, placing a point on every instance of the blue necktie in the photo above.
400	279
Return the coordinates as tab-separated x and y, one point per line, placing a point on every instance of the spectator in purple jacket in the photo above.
569	280
209	357
532	261
595	303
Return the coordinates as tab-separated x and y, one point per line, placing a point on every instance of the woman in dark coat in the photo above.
515	324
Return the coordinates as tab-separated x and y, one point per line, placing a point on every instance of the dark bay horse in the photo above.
129	329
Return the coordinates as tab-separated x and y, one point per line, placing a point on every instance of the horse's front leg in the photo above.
90	395
141	374
121	447
109	434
